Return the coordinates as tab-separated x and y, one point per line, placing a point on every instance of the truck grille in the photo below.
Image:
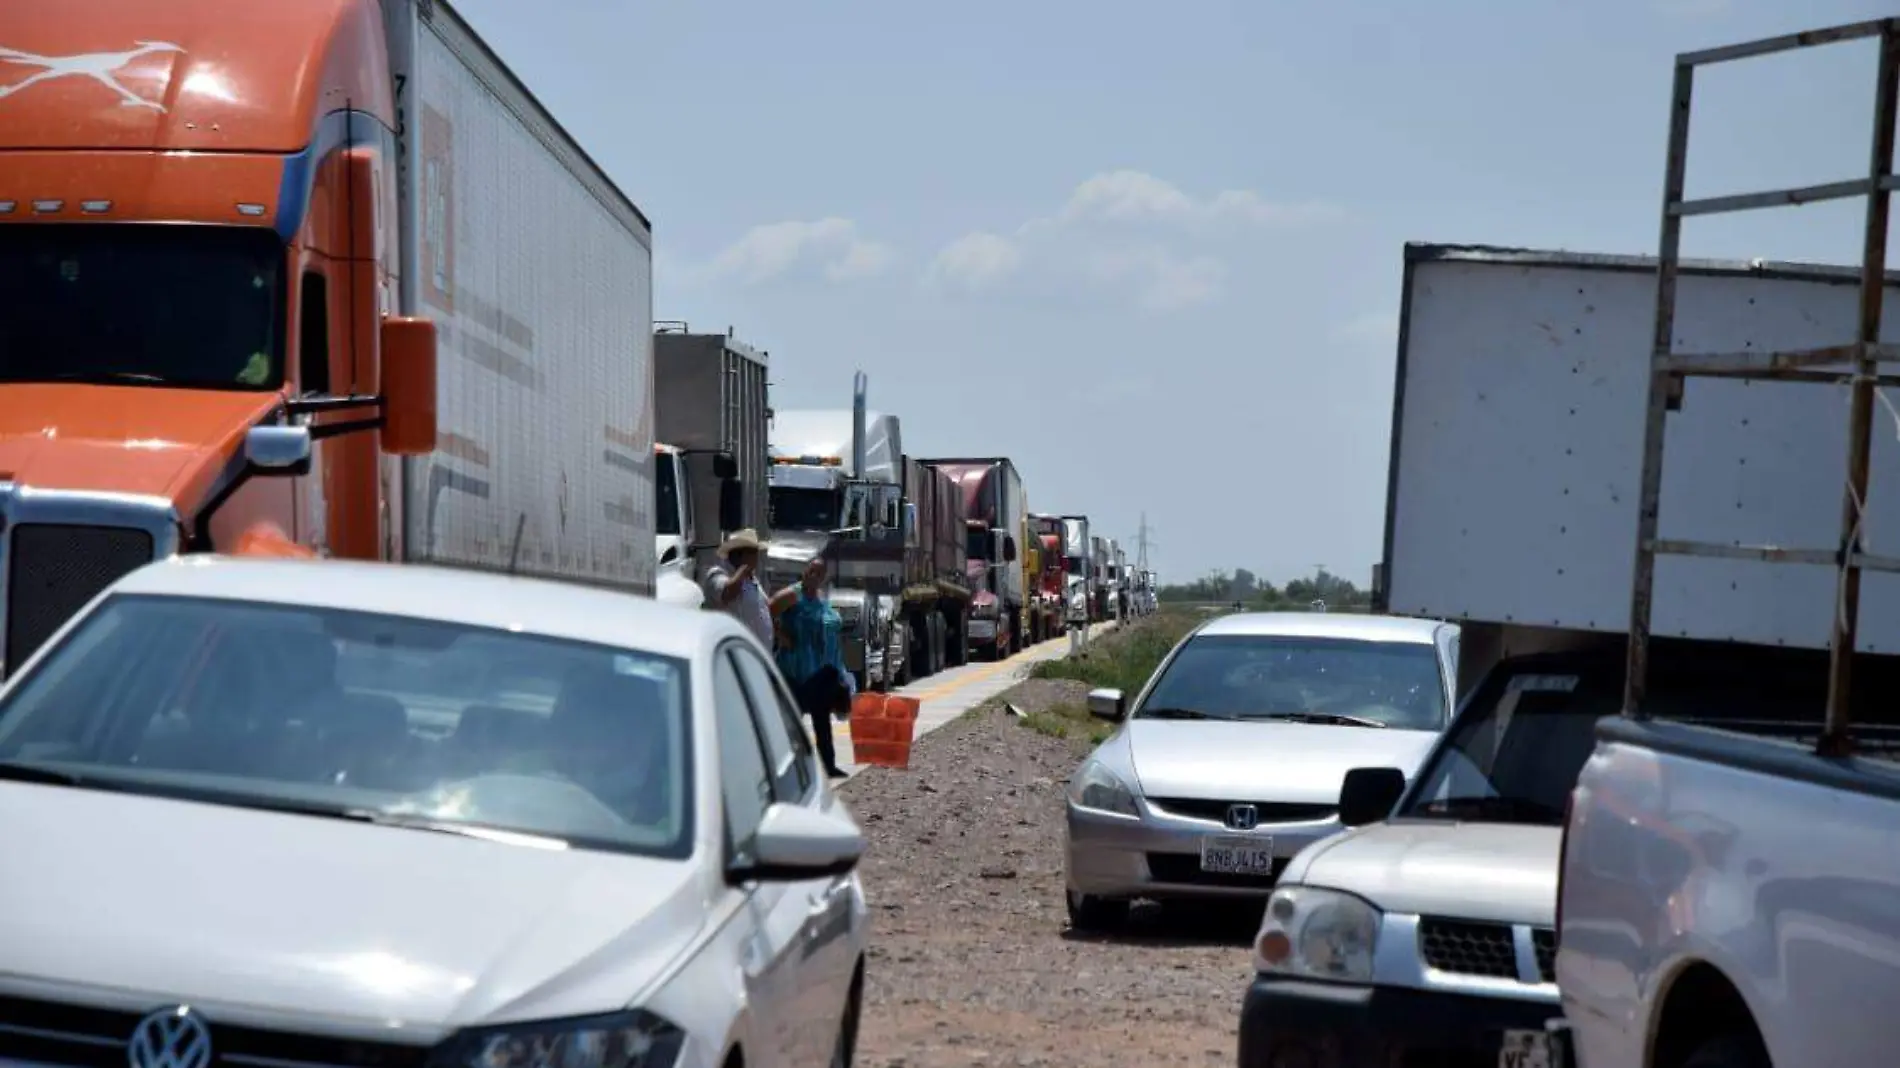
54	569
1468	948
51	1033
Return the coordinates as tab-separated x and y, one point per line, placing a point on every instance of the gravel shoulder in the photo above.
971	959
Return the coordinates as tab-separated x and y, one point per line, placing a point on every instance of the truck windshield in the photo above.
363	717
976	544
194	306
1338	681
666	485
1072	565
804	509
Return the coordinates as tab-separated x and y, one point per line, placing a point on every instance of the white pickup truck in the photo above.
1730	890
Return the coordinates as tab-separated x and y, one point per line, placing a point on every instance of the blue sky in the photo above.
1152	252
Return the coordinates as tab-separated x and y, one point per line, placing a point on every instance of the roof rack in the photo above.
1856	363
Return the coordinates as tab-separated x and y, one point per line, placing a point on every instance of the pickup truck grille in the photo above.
1470	947
53	1033
1544	941
54	569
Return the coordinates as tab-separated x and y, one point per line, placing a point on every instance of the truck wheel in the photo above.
1090	913
1729	1051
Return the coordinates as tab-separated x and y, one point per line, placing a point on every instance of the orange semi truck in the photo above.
229	236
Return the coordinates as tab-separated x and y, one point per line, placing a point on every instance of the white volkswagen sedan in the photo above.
278	814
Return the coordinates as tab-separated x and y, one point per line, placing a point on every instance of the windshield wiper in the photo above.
1498	809
1336	719
1178	713
13	771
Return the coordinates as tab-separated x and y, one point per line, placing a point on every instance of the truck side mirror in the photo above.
724	466
408	386
278	450
731	504
1009	549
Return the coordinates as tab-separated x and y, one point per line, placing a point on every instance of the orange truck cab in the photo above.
221	228
201	348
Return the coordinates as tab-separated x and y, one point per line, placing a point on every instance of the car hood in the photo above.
1505	872
167	443
370	927
1263	761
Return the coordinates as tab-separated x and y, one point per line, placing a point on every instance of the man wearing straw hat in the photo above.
732	584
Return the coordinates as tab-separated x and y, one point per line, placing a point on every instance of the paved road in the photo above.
949	694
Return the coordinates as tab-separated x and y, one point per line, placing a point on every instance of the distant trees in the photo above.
1253	591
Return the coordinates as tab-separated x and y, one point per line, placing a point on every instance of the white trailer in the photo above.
538	272
1517	440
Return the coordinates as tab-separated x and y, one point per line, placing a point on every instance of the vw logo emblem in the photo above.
1239	818
170	1038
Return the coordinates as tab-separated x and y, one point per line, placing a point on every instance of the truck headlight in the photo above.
1096	787
631	1039
1320	934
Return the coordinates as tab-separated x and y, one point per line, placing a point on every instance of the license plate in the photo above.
1234	855
1526	1049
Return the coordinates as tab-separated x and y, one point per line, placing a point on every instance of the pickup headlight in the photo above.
1320	934
1098	788
632	1039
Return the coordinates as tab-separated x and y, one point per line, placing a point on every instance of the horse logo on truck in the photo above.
101	67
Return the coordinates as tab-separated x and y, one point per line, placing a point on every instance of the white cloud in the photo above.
976	260
1134	196
1110	229
832	244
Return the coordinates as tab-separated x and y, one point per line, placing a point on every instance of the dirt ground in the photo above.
972	962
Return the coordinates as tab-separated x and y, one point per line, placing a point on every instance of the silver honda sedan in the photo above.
1230	759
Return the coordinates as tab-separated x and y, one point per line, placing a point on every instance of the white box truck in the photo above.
538	272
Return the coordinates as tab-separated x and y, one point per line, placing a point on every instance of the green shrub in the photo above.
1126	657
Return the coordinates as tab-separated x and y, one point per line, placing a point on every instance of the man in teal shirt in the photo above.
811	659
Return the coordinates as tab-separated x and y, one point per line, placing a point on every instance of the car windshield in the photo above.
1324	680
196	306
804	509
362	716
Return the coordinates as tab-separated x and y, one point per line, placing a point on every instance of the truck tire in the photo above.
1729	1051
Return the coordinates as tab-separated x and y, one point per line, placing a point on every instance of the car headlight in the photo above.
631	1039
1098	788
1321	934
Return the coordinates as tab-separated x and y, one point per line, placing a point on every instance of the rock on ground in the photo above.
971	959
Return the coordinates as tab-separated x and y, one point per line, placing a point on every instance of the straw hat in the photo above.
741	539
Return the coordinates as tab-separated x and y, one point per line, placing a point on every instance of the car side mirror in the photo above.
408	386
278	450
731	505
795	843
1368	794
1109	704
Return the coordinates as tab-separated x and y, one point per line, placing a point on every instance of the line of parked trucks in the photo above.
401	314
935	560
